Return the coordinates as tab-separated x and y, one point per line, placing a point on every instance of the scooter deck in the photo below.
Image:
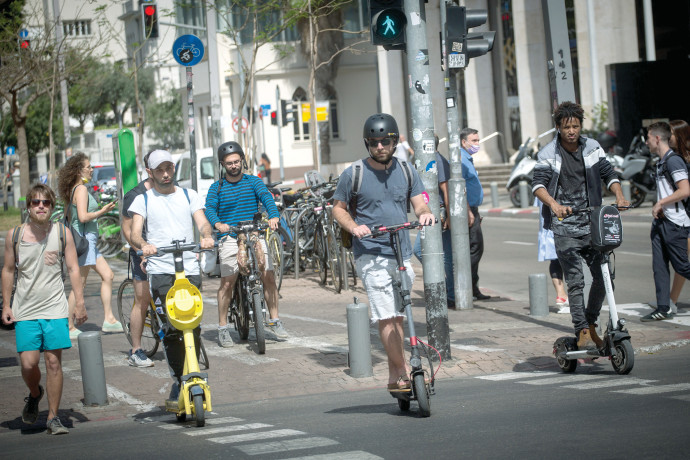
405	395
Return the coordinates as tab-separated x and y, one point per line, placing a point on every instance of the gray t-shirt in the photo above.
382	200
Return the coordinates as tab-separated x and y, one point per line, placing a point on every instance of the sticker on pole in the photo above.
188	50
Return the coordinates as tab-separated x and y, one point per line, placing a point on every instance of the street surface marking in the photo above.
633	253
641	309
312	320
351	455
284	446
656	389
520	243
565	379
476	348
256	436
611	383
141	406
662	346
516	375
226	429
681	397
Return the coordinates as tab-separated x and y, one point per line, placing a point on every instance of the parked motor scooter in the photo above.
639	168
525	162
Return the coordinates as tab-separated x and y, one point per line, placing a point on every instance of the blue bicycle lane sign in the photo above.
188	50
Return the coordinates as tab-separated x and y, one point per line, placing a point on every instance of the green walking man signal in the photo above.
388	21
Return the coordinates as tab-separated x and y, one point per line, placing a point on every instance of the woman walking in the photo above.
82	211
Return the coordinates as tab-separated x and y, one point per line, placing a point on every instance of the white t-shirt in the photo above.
168	218
402	151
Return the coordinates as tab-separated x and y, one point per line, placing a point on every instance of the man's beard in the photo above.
387	160
162	184
233	172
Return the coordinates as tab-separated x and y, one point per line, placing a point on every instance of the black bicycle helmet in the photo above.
228	148
380	125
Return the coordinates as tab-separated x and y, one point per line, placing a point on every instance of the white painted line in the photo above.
351	455
656	389
662	346
520	243
141	406
312	320
611	383
633	254
226	429
256	436
681	397
171	427
476	348
284	446
219	420
565	379
516	375
307	342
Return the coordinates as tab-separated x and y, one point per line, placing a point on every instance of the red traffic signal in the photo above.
274	118
25	44
149	20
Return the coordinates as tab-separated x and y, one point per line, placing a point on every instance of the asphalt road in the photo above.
510	415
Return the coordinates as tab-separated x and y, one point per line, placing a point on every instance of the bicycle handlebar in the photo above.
179	245
249	226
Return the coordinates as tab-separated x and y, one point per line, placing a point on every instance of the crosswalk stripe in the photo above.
475	348
283	446
515	375
256	436
610	383
351	455
681	397
219	420
656	389
225	429
564	379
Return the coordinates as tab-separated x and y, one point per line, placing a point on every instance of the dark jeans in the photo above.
447	260
573	253
173	341
669	244
476	248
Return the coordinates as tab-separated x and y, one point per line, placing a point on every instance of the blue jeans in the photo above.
447	260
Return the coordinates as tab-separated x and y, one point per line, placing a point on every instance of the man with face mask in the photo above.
469	140
233	199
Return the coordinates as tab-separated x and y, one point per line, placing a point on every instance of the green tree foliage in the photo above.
164	121
37	129
117	87
84	92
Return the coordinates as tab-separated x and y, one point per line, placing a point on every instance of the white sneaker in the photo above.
224	337
139	359
563	305
674	307
278	330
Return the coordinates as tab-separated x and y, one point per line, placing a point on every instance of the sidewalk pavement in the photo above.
497	335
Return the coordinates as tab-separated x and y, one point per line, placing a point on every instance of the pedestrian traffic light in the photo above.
462	45
286	107
274	117
149	19
387	22
25	44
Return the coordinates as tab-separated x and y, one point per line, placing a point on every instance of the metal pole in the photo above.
494	195
279	116
649	42
190	115
593	55
558	52
425	159
213	79
524	189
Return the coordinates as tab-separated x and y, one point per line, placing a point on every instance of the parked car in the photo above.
206	170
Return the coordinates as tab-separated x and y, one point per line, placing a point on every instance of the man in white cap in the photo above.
169	212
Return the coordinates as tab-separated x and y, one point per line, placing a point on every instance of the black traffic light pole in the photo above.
425	158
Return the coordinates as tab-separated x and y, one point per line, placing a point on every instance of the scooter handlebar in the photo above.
383	229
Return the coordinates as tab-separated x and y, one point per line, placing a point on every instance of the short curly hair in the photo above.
568	110
69	174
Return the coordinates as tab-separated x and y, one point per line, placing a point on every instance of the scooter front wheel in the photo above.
624	360
199	410
422	395
564	345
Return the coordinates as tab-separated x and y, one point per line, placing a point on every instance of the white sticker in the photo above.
417	134
428	146
415	19
456	61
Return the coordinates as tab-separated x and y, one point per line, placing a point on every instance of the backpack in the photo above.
667	174
16	234
357	170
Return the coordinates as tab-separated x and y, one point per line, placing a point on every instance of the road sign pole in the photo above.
190	115
425	159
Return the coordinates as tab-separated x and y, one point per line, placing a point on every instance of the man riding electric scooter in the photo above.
568	176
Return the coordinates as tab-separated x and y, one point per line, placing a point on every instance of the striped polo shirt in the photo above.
233	202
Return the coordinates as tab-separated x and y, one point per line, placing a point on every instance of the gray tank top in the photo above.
40	290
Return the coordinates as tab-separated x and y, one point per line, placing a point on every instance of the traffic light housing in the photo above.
460	44
149	19
286	108
274	117
387	23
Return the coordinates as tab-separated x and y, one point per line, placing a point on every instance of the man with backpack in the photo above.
34	300
169	213
671	221
378	191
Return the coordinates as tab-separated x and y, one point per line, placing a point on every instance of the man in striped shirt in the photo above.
235	198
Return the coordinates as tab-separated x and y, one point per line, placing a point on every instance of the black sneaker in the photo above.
657	315
30	412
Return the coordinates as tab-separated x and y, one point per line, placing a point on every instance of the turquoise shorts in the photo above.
42	334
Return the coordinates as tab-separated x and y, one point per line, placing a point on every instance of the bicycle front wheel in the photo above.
125	304
257	308
333	254
321	255
275	249
239	312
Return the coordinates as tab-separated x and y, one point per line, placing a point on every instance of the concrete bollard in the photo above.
92	369
625	186
359	341
525	202
538	303
494	195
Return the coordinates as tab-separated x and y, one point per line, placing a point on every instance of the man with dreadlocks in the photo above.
568	176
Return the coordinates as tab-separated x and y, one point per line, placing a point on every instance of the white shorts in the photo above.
377	274
227	250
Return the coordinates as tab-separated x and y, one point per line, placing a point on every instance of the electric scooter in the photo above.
184	309
421	387
607	234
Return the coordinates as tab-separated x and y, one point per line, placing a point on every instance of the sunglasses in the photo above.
45	203
375	142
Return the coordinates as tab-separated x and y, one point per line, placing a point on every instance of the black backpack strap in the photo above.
357	172
408	174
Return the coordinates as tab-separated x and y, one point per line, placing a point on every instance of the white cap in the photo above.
159	156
